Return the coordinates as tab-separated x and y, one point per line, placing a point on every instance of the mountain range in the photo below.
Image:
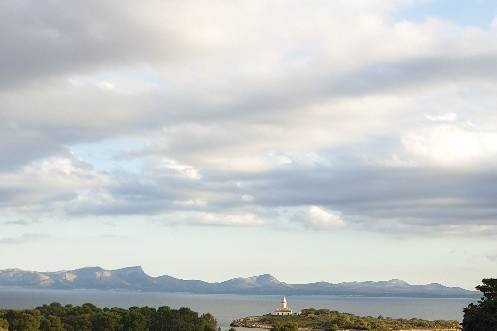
134	278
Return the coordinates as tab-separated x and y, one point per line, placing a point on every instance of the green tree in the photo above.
51	323
81	323
489	288
135	320
288	326
483	315
4	325
333	327
55	317
207	323
24	320
105	321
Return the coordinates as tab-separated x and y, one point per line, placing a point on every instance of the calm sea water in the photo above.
227	307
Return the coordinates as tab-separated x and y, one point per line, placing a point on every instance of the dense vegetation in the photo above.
55	317
483	315
287	326
333	320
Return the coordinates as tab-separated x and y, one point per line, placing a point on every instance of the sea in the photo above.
227	307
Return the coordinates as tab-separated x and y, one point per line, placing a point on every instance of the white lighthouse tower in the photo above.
283	309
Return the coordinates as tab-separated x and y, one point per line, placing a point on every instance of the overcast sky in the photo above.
313	140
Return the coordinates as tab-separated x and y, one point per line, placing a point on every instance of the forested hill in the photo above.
134	278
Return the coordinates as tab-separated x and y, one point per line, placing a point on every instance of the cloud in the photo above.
448	117
88	51
323	219
494	23
244	114
452	145
17	222
214	219
87	38
25	238
492	258
42	185
417	198
180	169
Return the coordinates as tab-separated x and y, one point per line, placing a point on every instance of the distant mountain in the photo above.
134	278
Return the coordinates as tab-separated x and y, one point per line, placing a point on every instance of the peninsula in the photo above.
324	319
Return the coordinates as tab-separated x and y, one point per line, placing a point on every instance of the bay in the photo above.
227	307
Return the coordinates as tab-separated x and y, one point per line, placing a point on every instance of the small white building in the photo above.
283	309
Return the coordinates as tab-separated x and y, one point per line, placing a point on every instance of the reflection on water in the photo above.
227	307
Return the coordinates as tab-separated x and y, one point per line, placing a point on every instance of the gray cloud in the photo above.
248	122
492	258
415	197
17	222
25	238
44	40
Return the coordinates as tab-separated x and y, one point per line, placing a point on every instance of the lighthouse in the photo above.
283	309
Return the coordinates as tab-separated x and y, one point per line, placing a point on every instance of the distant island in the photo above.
480	316
324	319
284	319
134	278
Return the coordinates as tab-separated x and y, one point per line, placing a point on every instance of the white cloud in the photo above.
44	184
106	85
180	169
214	219
448	117
451	146
494	23
320	218
247	197
192	203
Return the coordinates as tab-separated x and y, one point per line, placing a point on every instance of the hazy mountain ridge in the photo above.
134	278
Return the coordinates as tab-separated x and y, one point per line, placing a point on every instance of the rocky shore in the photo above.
250	322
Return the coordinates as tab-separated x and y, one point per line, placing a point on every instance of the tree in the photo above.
4	325
207	323
333	327
105	321
136	320
489	288
24	320
82	323
51	323
55	317
288	326
483	315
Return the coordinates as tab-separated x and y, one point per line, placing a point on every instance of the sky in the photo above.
314	140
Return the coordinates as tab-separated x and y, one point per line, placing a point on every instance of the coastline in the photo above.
324	319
